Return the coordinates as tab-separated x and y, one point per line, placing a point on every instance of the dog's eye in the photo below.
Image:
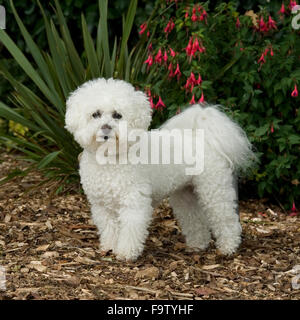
96	114
116	115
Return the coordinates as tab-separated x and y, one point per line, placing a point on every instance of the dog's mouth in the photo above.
106	137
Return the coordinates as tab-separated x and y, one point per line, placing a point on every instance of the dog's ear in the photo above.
72	117
142	116
75	121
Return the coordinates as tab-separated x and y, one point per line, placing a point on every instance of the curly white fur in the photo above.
122	196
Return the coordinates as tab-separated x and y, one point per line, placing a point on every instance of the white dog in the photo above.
122	196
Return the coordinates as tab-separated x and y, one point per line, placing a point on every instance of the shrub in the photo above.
249	63
53	74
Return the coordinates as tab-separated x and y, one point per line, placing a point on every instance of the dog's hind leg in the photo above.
217	196
190	217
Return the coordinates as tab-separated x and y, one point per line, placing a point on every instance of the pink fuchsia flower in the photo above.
177	72
149	61
292	4
171	73
192	78
203	16
271	52
262	25
294	94
271	23
172	52
193	100
201	100
158	57
150	48
143	28
282	9
165	57
202	49
199	80
238	23
151	102
194	16
272	128
170	26
294	210
195	46
160	103
262	58
191	82
186	13
189	47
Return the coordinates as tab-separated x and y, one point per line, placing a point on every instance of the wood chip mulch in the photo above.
49	250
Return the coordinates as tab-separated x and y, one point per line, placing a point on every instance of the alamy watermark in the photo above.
296	19
2	17
2	279
155	147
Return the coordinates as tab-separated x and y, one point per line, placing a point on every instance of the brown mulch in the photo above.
49	249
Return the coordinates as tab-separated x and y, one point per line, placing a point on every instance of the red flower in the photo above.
186	13
262	58
204	16
271	52
165	57
151	102
294	210
272	128
199	80
201	100
292	4
172	52
149	61
191	82
271	23
238	24
189	47
196	46
177	72
194	16
282	9
193	100
171	73
160	103
150	47
170	26
143	28
294	94
158	57
262	26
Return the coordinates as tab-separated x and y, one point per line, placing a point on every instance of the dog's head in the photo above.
95	109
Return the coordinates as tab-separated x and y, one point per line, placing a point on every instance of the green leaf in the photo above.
48	159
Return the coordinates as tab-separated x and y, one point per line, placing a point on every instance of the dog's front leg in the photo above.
134	218
107	225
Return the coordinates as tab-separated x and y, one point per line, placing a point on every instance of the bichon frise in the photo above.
122	195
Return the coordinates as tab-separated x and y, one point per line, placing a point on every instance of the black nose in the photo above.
106	127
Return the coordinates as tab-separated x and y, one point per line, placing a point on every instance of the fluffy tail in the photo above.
220	132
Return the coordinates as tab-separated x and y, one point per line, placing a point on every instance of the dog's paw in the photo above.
128	252
228	246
